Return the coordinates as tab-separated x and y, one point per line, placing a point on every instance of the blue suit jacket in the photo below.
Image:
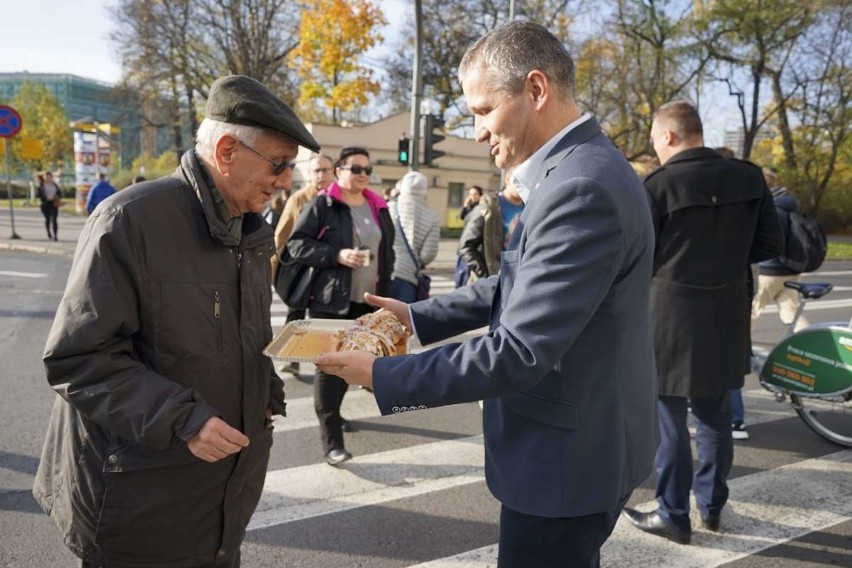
567	367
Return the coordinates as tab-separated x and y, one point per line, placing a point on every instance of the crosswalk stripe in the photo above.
765	509
815	305
357	405
309	491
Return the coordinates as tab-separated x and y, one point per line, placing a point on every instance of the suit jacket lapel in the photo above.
574	138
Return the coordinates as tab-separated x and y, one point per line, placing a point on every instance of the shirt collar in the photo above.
529	174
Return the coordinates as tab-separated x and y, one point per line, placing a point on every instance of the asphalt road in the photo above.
414	495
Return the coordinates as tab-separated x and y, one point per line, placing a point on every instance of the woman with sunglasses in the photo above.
347	234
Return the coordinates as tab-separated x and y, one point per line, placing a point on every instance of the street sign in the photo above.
30	148
10	121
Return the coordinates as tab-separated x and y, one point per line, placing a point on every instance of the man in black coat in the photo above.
712	216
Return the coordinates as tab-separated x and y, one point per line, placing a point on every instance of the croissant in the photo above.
377	333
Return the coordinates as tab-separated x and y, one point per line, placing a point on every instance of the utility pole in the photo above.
416	87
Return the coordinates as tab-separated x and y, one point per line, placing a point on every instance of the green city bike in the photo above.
813	367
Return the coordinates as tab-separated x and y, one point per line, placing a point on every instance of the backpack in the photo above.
806	243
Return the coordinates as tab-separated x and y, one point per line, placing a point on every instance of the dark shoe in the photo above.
710	523
292	368
346	426
337	456
653	524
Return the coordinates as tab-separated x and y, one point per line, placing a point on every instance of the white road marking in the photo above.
765	509
314	490
22	274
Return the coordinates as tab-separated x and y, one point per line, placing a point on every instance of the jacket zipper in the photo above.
217	314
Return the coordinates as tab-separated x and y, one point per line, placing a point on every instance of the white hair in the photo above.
209	132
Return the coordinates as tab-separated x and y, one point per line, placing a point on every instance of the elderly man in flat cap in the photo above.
159	439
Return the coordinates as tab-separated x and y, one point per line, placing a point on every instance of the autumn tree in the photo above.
447	38
815	154
754	38
45	120
333	35
645	56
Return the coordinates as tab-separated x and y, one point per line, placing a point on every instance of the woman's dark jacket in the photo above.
162	326
323	229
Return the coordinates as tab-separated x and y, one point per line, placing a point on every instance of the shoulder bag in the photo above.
424	281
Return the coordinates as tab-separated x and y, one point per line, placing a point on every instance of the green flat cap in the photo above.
237	99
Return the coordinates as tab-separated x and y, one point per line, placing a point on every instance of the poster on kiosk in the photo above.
91	157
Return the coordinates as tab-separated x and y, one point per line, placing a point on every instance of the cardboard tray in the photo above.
300	341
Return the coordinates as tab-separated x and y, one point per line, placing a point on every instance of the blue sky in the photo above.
59	36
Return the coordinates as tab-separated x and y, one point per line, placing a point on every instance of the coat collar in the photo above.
576	136
699	153
193	171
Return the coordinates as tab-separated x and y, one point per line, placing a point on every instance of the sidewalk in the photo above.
29	225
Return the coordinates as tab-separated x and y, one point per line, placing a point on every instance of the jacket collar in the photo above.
374	199
576	136
192	170
699	153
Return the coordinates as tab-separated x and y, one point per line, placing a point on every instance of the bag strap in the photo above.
407	246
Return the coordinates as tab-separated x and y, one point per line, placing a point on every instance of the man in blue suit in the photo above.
567	368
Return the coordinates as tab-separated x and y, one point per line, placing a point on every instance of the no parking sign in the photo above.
10	121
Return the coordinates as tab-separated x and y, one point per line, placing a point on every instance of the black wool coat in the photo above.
713	216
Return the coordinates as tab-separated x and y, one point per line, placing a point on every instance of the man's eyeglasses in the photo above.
277	167
357	170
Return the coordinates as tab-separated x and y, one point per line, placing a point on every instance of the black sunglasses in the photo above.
277	167
357	170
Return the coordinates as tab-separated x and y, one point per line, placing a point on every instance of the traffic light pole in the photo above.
416	88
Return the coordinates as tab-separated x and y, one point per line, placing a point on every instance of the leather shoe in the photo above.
652	523
337	456
710	523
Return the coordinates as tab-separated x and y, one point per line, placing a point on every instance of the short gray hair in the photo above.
510	51
209	132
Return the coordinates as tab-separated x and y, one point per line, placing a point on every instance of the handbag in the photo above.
424	281
293	279
293	282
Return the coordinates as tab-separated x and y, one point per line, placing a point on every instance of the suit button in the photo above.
112	459
713	199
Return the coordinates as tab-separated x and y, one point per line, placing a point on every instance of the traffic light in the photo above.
402	154
430	138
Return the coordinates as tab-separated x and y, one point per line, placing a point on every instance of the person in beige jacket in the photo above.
320	175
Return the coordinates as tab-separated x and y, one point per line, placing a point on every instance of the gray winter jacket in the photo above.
162	326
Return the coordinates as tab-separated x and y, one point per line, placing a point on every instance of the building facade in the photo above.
87	101
465	162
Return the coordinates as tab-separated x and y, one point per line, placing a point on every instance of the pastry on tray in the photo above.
378	333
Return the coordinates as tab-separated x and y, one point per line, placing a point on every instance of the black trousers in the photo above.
527	541
329	390
51	213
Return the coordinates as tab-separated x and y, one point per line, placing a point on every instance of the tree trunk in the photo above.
783	122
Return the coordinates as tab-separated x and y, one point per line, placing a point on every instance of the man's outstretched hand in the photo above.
354	367
217	440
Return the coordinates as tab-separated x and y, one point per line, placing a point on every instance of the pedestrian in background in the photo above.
417	234
474	194
320	176
347	234
98	193
158	444
50	195
486	233
713	216
773	273
567	367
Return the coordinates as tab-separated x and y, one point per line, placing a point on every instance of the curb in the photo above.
36	249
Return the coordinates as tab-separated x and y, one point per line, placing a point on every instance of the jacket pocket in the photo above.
553	412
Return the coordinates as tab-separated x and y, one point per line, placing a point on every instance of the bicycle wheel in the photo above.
830	419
